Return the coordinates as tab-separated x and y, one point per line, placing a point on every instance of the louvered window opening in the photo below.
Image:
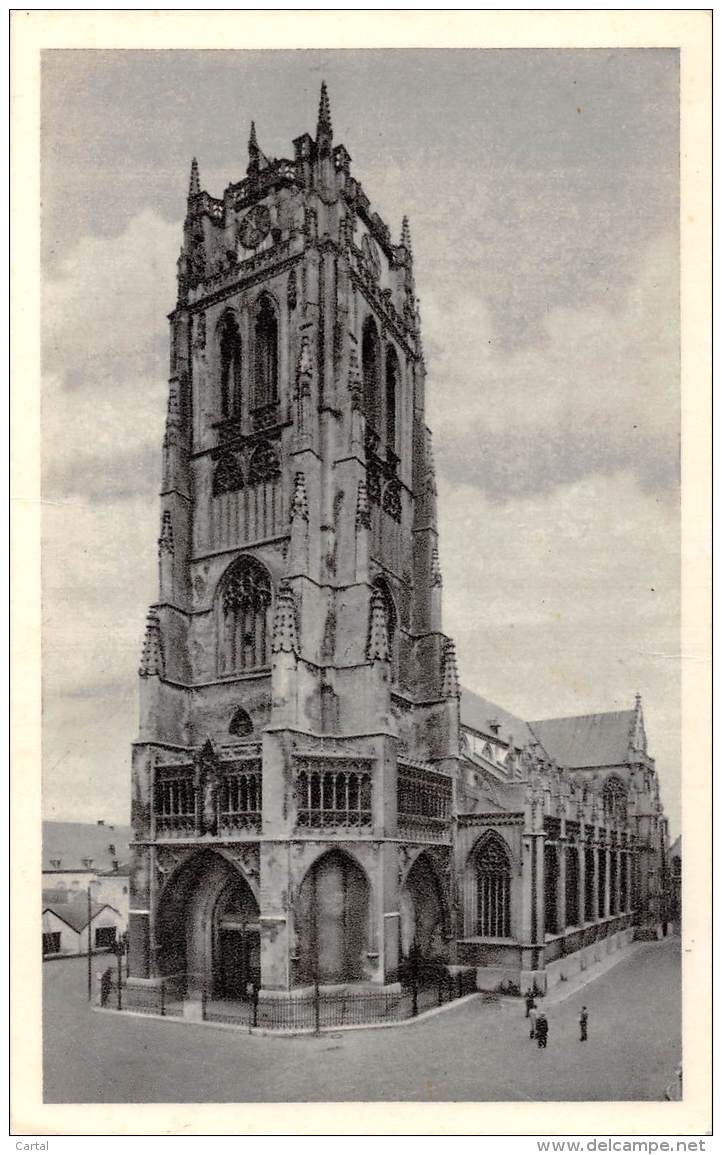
333	798
493	889
240	800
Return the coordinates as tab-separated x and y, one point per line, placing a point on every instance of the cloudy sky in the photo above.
542	189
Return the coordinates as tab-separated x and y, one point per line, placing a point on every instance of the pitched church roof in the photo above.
71	842
587	740
477	713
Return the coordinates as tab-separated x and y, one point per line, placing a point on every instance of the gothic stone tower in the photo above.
294	772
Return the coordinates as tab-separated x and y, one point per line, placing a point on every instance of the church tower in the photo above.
295	768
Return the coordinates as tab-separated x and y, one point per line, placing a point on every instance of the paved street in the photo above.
474	1052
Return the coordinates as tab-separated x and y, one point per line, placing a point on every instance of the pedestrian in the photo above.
583	1020
532	1019
529	1000
541	1029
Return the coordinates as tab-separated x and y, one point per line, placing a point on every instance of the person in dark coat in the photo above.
541	1030
583	1020
529	1000
532	1019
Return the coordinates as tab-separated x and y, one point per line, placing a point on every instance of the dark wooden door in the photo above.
232	964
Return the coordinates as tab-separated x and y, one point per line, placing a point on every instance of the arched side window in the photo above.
615	800
493	889
244	605
371	369
230	366
392	383
266	353
241	725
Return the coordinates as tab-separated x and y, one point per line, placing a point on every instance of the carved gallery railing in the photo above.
424	804
239	801
180	807
174	804
333	798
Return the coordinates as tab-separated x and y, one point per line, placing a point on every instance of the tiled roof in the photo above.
478	712
75	914
587	740
121	871
71	842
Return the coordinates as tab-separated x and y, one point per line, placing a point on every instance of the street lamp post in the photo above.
90	946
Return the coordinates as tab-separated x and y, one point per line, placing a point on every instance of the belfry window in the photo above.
371	367
493	890
230	363
266	353
244	627
392	380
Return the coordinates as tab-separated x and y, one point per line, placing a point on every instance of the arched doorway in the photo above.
422	911
207	928
332	920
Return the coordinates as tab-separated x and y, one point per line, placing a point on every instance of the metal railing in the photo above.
315	1010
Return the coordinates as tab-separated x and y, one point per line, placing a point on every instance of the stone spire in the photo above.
256	159
151	661
324	129
377	649
194	186
355	382
299	501
165	541
285	638
304	369
363	511
173	416
450	673
406	236
436	578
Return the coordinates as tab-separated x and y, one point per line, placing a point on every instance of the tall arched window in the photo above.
392	381
244	633
266	353
493	889
371	368
230	360
615	800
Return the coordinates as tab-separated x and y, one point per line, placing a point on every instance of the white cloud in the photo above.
596	392
567	602
103	309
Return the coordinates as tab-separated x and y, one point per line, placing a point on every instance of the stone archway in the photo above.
332	916
207	928
422	910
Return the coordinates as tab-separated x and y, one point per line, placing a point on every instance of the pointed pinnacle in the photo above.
285	638
324	111
406	235
194	186
252	141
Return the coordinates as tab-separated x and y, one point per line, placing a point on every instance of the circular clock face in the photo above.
255	226
371	254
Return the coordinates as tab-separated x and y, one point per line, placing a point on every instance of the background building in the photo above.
78	856
69	923
312	794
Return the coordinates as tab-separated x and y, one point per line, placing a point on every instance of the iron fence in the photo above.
310	1011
